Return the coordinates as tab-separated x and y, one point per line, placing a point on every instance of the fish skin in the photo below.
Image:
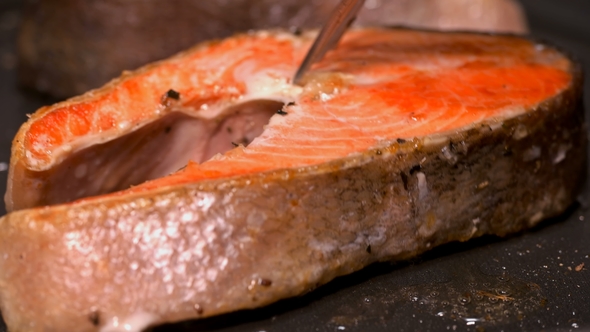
254	236
56	258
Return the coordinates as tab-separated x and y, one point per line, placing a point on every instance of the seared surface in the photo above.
379	85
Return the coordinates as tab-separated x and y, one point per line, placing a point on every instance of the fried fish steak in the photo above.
397	142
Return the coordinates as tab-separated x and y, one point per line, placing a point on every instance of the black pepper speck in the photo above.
173	94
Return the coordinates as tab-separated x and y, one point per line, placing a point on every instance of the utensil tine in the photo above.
342	17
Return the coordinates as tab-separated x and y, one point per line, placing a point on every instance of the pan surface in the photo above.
537	280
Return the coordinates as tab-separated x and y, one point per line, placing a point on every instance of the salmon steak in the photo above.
208	183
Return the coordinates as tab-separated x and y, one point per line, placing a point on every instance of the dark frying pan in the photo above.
537	280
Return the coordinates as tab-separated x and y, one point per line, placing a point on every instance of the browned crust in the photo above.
320	225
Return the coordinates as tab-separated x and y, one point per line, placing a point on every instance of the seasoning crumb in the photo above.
281	112
168	97
245	141
579	267
295	30
235	144
94	317
198	309
569	268
401	140
173	94
265	282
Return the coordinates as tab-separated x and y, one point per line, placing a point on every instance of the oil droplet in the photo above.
575	325
434	293
471	321
503	278
440	314
502	292
464	299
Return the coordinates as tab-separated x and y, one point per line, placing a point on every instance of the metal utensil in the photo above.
342	17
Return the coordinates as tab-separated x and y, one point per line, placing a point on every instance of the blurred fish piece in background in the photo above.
67	47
